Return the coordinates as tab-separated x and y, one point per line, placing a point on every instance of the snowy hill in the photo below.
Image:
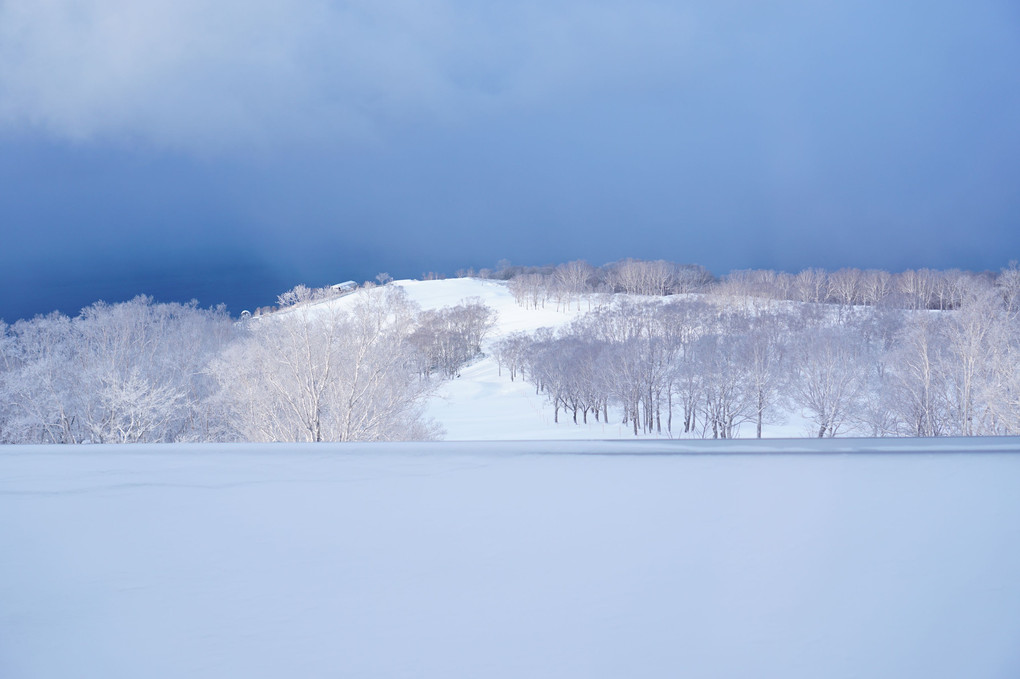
481	404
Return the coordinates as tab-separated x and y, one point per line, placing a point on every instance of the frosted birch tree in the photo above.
827	380
328	374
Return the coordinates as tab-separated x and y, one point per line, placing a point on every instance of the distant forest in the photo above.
912	289
666	348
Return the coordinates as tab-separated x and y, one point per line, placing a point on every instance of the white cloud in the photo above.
198	75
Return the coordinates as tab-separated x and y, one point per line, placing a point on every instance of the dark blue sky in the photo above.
229	153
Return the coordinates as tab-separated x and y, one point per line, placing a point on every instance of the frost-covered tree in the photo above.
1008	285
918	382
827	380
876	286
811	285
127	372
510	353
446	339
637	277
916	288
763	353
7	359
576	279
296	295
845	287
530	290
973	339
328	374
41	385
1001	393
727	402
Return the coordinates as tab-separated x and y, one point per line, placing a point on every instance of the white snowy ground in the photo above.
496	560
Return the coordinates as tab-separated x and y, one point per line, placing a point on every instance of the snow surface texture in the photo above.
491	560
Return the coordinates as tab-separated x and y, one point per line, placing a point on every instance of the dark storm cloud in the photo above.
193	74
318	141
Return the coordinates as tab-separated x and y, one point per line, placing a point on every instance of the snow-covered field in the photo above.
512	560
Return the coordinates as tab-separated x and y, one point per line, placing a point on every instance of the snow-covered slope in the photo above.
509	560
482	405
512	317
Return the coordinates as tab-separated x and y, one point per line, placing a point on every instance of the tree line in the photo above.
578	281
139	371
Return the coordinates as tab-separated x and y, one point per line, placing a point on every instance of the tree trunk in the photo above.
669	412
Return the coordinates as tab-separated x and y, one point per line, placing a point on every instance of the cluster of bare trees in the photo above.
957	373
446	339
700	367
537	287
911	289
117	373
326	373
145	372
575	281
684	366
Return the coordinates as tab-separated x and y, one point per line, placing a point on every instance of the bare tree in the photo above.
688	278
917	380
1002	392
917	288
446	339
637	277
576	279
510	353
126	372
763	354
726	400
845	287
810	285
530	290
326	374
974	338
41	382
828	382
1008	283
